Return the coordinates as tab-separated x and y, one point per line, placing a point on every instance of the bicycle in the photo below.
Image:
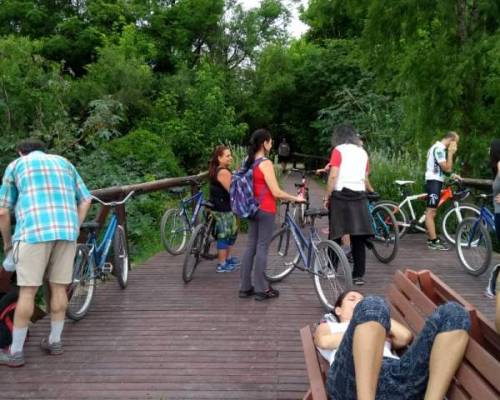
323	259
451	219
199	244
177	224
474	247
299	210
91	261
385	242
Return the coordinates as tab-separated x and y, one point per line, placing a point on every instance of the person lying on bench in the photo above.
358	346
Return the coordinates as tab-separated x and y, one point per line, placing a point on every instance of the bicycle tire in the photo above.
451	221
399	214
281	260
194	250
83	284
121	265
474	252
386	239
332	273
174	231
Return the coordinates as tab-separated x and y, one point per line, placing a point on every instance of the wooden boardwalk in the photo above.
161	339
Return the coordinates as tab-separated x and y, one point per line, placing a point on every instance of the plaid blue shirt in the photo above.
44	190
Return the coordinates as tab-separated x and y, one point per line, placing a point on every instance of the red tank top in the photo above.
262	193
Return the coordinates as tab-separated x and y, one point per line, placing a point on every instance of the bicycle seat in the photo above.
372	196
207	204
299	185
485	195
403	183
316	212
90	226
177	189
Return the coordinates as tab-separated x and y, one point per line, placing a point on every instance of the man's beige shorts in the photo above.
53	260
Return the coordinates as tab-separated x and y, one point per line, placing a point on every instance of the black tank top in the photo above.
219	196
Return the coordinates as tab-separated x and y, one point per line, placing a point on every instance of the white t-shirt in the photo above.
341	327
352	162
435	155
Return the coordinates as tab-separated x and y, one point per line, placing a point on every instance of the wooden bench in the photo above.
412	297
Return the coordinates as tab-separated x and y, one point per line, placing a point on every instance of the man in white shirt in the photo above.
363	366
439	162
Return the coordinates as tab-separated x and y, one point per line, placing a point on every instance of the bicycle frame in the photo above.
306	246
446	194
98	252
197	198
487	218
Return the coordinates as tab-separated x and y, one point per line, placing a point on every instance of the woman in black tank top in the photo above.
226	225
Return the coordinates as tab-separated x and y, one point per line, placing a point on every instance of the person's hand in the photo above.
299	199
452	148
497	199
319	171
456	177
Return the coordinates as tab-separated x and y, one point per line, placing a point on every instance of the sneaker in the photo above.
268	294
54	349
224	267
243	294
15	360
492	282
234	261
358	281
437	244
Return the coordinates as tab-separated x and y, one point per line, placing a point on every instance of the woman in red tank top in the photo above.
261	227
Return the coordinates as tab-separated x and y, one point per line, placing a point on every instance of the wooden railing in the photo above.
310	161
116	193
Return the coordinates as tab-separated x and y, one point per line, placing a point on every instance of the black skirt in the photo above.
349	214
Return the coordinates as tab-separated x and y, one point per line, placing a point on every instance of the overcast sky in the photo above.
296	26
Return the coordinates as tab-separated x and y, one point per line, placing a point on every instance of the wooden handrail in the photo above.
118	192
484	184
303	155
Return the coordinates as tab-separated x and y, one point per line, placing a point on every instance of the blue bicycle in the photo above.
91	261
323	259
177	224
473	235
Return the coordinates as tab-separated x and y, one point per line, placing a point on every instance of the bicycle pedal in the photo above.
107	268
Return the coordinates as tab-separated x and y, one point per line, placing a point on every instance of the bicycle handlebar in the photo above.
113	203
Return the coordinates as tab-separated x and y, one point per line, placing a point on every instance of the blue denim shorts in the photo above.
399	379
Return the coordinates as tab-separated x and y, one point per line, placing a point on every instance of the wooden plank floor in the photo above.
161	339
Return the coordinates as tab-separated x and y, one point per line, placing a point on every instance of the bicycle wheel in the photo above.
454	216
298	214
120	257
332	273
399	214
473	246
82	287
194	250
386	240
281	258
174	231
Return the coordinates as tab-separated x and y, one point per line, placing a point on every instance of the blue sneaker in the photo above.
224	267
234	261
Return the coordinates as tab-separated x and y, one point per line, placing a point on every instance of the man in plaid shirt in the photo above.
50	202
